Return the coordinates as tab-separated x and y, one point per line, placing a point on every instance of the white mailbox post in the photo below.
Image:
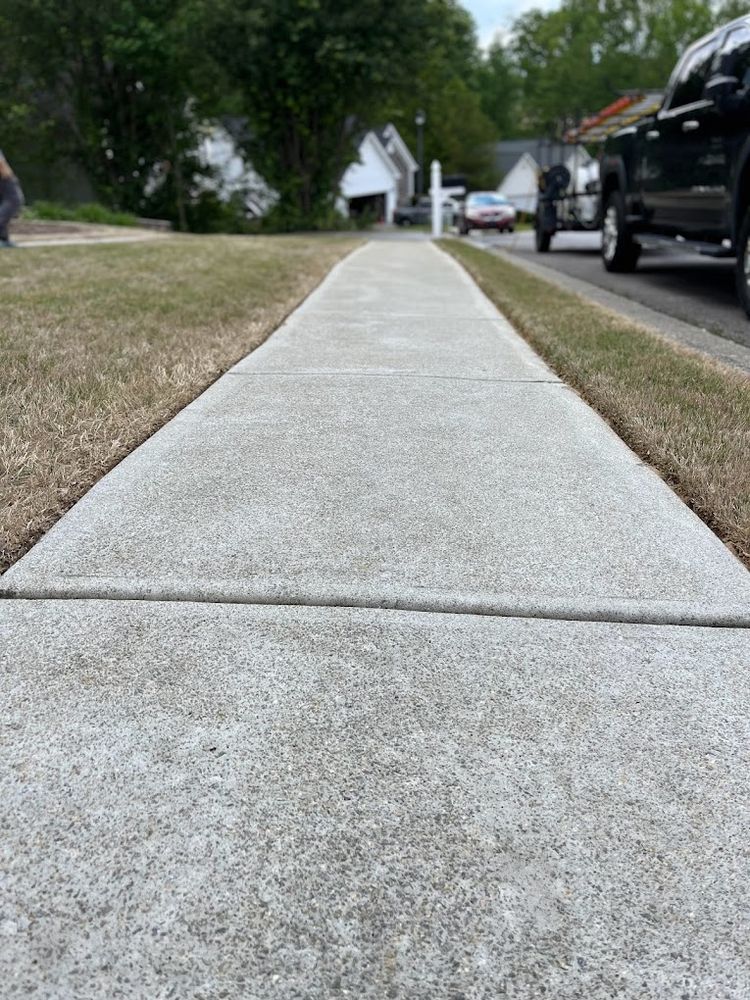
436	193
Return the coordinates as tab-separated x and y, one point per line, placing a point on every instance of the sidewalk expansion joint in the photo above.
396	317
339	373
613	612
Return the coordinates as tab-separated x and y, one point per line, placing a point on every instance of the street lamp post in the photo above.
419	119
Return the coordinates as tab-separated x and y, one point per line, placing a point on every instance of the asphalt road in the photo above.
697	290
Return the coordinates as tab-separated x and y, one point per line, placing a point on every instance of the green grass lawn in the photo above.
100	345
686	416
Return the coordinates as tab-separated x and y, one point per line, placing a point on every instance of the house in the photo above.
381	178
520	184
231	174
545	151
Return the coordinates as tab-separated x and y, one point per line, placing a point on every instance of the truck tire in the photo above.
742	270
620	252
542	239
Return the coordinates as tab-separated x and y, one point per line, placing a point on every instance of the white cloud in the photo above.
495	17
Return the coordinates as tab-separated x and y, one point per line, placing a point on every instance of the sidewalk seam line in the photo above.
411	375
527	613
397	317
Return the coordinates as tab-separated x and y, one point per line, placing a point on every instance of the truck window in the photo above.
735	56
693	75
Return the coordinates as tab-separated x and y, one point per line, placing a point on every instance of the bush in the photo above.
210	214
89	212
281	220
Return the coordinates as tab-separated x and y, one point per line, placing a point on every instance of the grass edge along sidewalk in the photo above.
102	345
687	416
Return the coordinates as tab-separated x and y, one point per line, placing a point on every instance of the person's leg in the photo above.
4	234
10	205
5	217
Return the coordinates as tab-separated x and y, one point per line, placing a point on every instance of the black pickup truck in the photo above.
683	174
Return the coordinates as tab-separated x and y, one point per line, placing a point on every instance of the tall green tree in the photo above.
728	10
119	76
577	59
499	86
310	76
446	84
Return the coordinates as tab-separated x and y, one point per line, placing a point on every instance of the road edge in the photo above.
709	345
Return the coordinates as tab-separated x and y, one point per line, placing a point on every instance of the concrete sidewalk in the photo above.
504	749
29	234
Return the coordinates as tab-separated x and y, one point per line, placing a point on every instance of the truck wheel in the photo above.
743	264
542	239
619	250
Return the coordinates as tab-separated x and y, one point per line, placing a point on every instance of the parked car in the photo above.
486	210
682	175
420	213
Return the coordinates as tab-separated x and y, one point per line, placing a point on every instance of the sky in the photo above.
494	16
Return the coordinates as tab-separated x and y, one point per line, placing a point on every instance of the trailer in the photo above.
569	193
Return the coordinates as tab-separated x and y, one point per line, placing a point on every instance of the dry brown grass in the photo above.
687	416
99	346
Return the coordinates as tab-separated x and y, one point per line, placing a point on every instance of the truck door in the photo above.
734	108
685	163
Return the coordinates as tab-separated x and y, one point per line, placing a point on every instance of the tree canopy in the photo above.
572	61
124	88
311	75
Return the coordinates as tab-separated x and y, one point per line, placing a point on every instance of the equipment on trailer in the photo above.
569	192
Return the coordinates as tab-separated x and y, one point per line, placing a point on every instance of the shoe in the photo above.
8	245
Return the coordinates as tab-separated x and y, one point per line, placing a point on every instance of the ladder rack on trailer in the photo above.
569	201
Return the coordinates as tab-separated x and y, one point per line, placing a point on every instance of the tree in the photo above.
576	59
447	86
21	117
730	9
311	75
499	86
118	74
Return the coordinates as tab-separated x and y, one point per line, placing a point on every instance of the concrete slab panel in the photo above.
457	348
386	280
216	801
387	491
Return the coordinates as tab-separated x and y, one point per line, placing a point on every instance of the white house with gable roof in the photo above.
521	184
381	178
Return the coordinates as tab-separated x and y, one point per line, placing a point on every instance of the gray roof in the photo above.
545	152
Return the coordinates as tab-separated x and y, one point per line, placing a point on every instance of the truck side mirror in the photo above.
720	86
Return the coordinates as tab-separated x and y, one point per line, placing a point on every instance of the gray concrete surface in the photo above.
27	243
399	279
215	794
686	298
407	492
453	348
479	486
305	803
